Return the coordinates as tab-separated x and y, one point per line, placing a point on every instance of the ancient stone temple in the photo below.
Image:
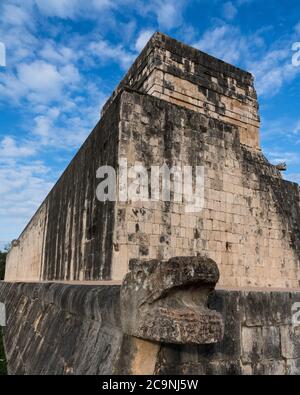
129	284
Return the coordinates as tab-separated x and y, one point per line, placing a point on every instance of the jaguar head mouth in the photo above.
167	302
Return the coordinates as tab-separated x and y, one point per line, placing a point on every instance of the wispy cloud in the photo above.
168	16
273	71
142	39
229	10
297	128
280	155
294	177
224	41
10	149
73	9
106	52
22	189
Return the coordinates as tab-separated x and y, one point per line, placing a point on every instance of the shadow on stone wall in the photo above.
3	371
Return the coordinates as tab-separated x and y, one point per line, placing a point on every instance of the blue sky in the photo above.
64	58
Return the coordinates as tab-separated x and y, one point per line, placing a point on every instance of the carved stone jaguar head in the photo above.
167	302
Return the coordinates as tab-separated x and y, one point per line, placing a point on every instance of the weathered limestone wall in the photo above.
251	218
180	107
259	338
30	250
61	329
70	236
250	224
180	74
76	329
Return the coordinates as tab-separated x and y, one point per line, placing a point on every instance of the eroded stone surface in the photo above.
176	105
250	221
183	75
50	330
167	301
290	340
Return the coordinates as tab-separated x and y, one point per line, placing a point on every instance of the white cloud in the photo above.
17	30
297	128
224	42
75	9
43	80
54	53
59	8
54	131
22	189
229	11
281	127
40	77
242	2
68	126
168	16
9	149
14	15
142	39
44	125
69	75
2	55
294	177
273	71
39	82
103	4
105	52
278	155
168	13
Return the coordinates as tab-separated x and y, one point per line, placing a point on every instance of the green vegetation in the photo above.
2	264
2	355
3	370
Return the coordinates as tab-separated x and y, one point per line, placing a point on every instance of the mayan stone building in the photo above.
181	107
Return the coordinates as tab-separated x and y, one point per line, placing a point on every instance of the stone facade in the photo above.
176	106
258	333
250	221
250	224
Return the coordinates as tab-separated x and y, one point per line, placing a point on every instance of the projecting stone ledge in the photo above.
167	301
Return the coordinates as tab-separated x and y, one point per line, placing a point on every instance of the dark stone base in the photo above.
76	329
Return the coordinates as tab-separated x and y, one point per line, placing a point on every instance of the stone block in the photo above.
252	344
293	367
269	368
290	341
271	343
